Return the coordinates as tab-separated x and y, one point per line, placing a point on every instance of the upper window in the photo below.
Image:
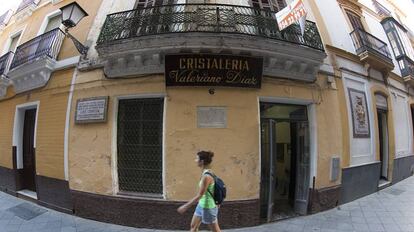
139	4
355	20
54	22
398	37
13	43
26	3
400	43
273	5
381	9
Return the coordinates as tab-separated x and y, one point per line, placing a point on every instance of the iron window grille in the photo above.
139	145
45	45
209	18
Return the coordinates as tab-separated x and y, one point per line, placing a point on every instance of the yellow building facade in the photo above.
38	65
299	122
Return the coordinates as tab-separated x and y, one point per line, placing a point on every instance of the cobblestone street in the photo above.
391	209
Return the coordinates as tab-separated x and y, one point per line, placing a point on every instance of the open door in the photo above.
285	159
301	141
268	133
382	111
383	141
29	160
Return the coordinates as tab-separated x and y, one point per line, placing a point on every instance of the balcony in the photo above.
372	51
5	63
26	9
135	42
407	69
4	68
34	61
5	18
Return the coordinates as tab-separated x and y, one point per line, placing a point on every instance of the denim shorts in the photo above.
208	216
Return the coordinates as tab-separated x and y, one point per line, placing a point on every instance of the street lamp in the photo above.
71	15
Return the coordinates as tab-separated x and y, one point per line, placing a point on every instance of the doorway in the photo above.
285	161
383	143
29	160
382	111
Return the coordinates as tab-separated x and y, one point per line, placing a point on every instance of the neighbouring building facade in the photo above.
372	56
37	65
299	123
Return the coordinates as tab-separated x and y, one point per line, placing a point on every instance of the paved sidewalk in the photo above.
391	210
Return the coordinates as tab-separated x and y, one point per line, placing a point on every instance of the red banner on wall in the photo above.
290	14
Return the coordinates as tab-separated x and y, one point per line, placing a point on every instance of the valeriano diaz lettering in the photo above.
213	70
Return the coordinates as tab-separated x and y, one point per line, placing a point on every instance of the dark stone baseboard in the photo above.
359	181
158	214
18	173
324	198
403	168
11	178
54	193
8	180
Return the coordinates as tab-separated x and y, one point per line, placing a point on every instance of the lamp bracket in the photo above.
82	49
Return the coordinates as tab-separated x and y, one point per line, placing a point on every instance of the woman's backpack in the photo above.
220	190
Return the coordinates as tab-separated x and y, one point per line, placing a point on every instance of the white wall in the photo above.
362	149
107	7
402	124
336	24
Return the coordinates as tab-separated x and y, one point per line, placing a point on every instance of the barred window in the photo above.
140	145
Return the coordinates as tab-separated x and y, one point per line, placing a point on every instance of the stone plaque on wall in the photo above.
211	117
91	110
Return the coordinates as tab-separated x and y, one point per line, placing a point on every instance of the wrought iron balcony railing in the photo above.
406	66
45	45
5	62
215	18
26	3
363	41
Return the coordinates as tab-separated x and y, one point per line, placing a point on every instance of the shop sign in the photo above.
213	70
91	110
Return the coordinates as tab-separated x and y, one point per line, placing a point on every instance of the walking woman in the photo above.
206	210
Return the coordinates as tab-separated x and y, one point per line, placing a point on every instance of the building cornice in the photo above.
342	53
